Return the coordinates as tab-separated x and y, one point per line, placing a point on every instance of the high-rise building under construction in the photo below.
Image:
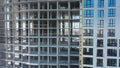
60	34
42	33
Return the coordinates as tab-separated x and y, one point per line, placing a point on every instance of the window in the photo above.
88	3
100	43
100	3
111	32
100	62
100	23
63	50
8	1
111	12
100	33
100	13
88	13
74	50
119	62
88	51
88	22
33	6
119	42
88	32
87	60
52	50
74	59
99	53
111	62
111	3
112	42
88	42
111	52
111	23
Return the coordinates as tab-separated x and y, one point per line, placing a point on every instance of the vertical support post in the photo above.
82	31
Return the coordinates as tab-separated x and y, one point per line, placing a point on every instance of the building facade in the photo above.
42	33
2	35
48	33
101	34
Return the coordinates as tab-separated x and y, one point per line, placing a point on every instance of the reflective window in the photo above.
99	53
100	43
88	22
100	13
111	32
88	3
112	42
111	3
111	12
88	51
74	50
88	13
100	33
87	60
100	62
63	50
111	62
88	32
88	42
111	23
100	3
111	52
100	23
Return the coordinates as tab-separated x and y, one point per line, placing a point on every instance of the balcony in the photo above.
33	61
52	34
62	43
52	53
74	43
2	58
17	59
74	62
9	58
43	61
52	62
9	66
34	35
43	53
23	43
34	52
44	34
18	51
25	51
33	43
63	53
2	50
43	44
74	53
24	60
63	62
